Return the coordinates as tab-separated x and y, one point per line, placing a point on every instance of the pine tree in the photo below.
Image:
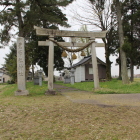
23	15
131	12
10	63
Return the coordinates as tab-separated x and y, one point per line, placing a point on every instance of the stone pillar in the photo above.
50	67
72	76
40	77
94	65
21	81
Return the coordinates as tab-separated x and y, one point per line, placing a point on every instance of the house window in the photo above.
90	71
0	79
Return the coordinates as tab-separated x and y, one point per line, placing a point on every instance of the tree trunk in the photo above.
132	45
108	66
108	62
20	20
32	71
26	74
124	73
70	61
120	77
132	71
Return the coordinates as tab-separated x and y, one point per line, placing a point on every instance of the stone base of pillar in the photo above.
21	92
50	92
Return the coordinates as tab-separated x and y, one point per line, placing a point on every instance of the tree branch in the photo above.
3	9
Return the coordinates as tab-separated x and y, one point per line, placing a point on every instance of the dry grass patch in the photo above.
137	79
55	117
2	86
40	117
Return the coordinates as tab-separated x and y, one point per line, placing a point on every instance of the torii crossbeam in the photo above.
84	34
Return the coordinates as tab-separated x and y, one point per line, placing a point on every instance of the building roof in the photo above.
4	71
87	59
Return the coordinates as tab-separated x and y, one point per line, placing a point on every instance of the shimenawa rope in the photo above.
71	50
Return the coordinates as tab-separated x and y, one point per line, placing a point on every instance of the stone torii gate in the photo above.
61	33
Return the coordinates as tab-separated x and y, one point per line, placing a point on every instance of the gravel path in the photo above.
103	100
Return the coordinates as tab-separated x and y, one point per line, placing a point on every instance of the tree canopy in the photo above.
10	63
99	14
131	20
18	18
24	14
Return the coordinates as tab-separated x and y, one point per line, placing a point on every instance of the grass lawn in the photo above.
110	87
40	117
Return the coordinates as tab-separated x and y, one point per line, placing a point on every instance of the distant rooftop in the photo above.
87	59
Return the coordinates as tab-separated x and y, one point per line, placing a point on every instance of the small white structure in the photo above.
1	77
4	77
129	72
72	76
84	69
80	74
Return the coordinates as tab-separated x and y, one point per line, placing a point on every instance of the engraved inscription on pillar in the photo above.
21	64
20	59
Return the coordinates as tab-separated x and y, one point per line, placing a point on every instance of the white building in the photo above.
4	77
84	72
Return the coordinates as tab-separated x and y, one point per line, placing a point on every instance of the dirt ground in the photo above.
2	86
71	115
104	100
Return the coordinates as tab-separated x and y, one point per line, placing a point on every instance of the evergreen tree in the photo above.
23	15
10	63
40	54
131	12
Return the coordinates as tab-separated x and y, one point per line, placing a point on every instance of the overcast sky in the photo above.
75	26
70	11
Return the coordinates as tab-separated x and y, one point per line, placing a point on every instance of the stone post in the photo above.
21	81
72	76
94	65
50	67
40	77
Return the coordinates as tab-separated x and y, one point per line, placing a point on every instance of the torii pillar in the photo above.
94	58
51	33
94	65
50	66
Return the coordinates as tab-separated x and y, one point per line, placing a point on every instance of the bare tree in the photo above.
87	50
69	60
98	13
